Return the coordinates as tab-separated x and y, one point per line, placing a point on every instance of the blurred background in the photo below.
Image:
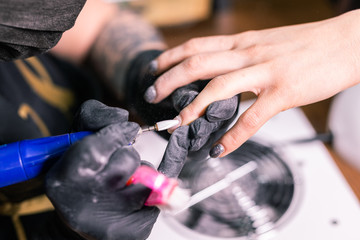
180	20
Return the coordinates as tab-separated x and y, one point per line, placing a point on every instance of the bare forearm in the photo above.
120	41
76	43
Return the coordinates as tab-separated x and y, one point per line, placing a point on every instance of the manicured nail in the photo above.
171	130
153	67
216	150
150	94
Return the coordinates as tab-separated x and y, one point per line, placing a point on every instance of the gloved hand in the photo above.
204	131
88	185
207	129
138	79
175	153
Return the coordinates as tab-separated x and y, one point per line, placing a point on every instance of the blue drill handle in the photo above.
24	160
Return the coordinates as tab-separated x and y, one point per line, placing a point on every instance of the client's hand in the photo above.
285	67
203	131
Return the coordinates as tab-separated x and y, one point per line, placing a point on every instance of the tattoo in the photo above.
120	41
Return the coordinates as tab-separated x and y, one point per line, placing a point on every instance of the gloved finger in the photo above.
197	143
122	164
146	219
124	132
183	96
85	159
94	115
133	197
202	127
222	110
175	152
146	163
138	225
114	207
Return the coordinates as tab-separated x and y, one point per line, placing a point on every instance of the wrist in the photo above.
119	42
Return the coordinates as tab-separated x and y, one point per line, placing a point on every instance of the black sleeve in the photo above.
29	27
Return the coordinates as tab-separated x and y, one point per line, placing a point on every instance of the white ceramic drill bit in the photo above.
160	126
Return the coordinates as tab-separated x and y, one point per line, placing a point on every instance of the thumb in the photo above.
94	115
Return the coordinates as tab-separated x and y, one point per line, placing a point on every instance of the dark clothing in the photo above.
38	97
29	27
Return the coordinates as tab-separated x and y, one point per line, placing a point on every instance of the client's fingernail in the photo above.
216	150
150	94
153	67
171	130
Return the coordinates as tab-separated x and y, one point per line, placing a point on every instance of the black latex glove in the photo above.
87	185
175	153
204	131
138	79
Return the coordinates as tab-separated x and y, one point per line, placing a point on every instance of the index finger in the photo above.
192	47
175	153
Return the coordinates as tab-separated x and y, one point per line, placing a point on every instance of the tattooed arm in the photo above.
122	39
110	38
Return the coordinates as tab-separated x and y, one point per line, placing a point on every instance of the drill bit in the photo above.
160	126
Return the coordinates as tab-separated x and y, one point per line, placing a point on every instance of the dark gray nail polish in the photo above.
150	94
153	66
216	150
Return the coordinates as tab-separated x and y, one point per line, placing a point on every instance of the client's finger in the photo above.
199	67
225	86
264	108
192	47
